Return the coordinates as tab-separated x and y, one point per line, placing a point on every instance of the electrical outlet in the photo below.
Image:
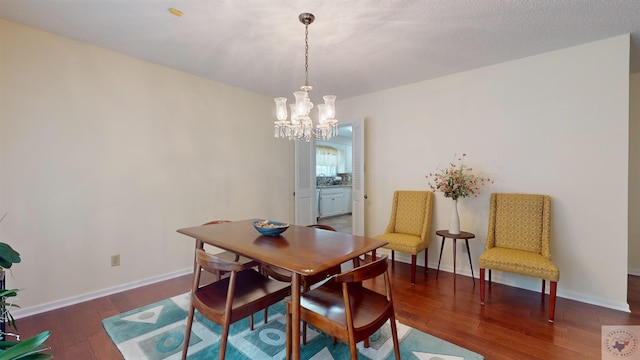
115	260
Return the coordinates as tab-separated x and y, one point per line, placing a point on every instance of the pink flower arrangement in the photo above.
457	181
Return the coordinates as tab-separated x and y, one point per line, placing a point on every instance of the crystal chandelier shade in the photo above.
300	125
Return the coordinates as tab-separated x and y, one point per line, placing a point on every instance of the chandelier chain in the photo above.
306	55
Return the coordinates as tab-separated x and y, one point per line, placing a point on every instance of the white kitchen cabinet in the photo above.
347	200
335	201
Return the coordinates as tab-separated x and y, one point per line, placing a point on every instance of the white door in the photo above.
305	182
357	177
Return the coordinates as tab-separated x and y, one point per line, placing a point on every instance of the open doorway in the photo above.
334	172
307	189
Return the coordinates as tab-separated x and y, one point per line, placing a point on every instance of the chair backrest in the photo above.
321	226
212	263
520	221
411	213
365	272
213	222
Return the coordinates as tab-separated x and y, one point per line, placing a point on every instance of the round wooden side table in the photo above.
463	235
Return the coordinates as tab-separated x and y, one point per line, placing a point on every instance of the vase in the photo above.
454	222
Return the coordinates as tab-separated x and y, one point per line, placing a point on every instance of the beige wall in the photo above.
555	123
104	154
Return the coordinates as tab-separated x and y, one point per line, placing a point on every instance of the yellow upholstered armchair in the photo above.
518	241
410	225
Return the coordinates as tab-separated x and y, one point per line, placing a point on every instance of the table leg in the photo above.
470	263
454	264
295	316
440	258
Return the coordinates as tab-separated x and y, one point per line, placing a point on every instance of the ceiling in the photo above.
355	47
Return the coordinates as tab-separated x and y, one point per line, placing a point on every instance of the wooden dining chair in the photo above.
342	307
233	298
228	255
306	281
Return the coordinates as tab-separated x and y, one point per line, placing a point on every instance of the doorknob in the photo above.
365	196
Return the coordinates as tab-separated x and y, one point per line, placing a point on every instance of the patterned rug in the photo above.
156	332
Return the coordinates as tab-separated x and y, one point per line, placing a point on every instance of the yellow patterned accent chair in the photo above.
410	226
518	241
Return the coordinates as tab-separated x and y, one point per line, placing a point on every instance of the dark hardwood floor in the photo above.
512	325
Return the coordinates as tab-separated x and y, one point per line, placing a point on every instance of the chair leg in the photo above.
552	300
251	322
288	332
304	333
489	277
187	334
352	349
223	341
413	268
266	315
426	257
482	286
543	288
393	257
394	335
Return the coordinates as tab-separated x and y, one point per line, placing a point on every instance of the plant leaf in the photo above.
8	253
9	292
26	347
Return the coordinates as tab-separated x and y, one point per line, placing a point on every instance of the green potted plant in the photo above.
32	348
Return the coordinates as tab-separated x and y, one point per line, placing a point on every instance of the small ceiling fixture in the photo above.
300	126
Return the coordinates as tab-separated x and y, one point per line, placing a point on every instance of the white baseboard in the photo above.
500	280
24	312
635	272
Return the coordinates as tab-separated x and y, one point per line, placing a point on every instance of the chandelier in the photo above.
300	126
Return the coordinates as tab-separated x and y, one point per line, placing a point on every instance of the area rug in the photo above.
156	332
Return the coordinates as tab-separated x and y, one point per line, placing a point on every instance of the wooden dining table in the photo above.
300	249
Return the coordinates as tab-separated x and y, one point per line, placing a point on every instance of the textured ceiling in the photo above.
355	47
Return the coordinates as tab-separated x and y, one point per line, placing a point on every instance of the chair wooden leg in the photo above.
482	286
304	333
288	332
266	314
223	341
426	259
353	350
187	334
543	288
552	300
393	257
394	335
489	278
251	322
413	268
